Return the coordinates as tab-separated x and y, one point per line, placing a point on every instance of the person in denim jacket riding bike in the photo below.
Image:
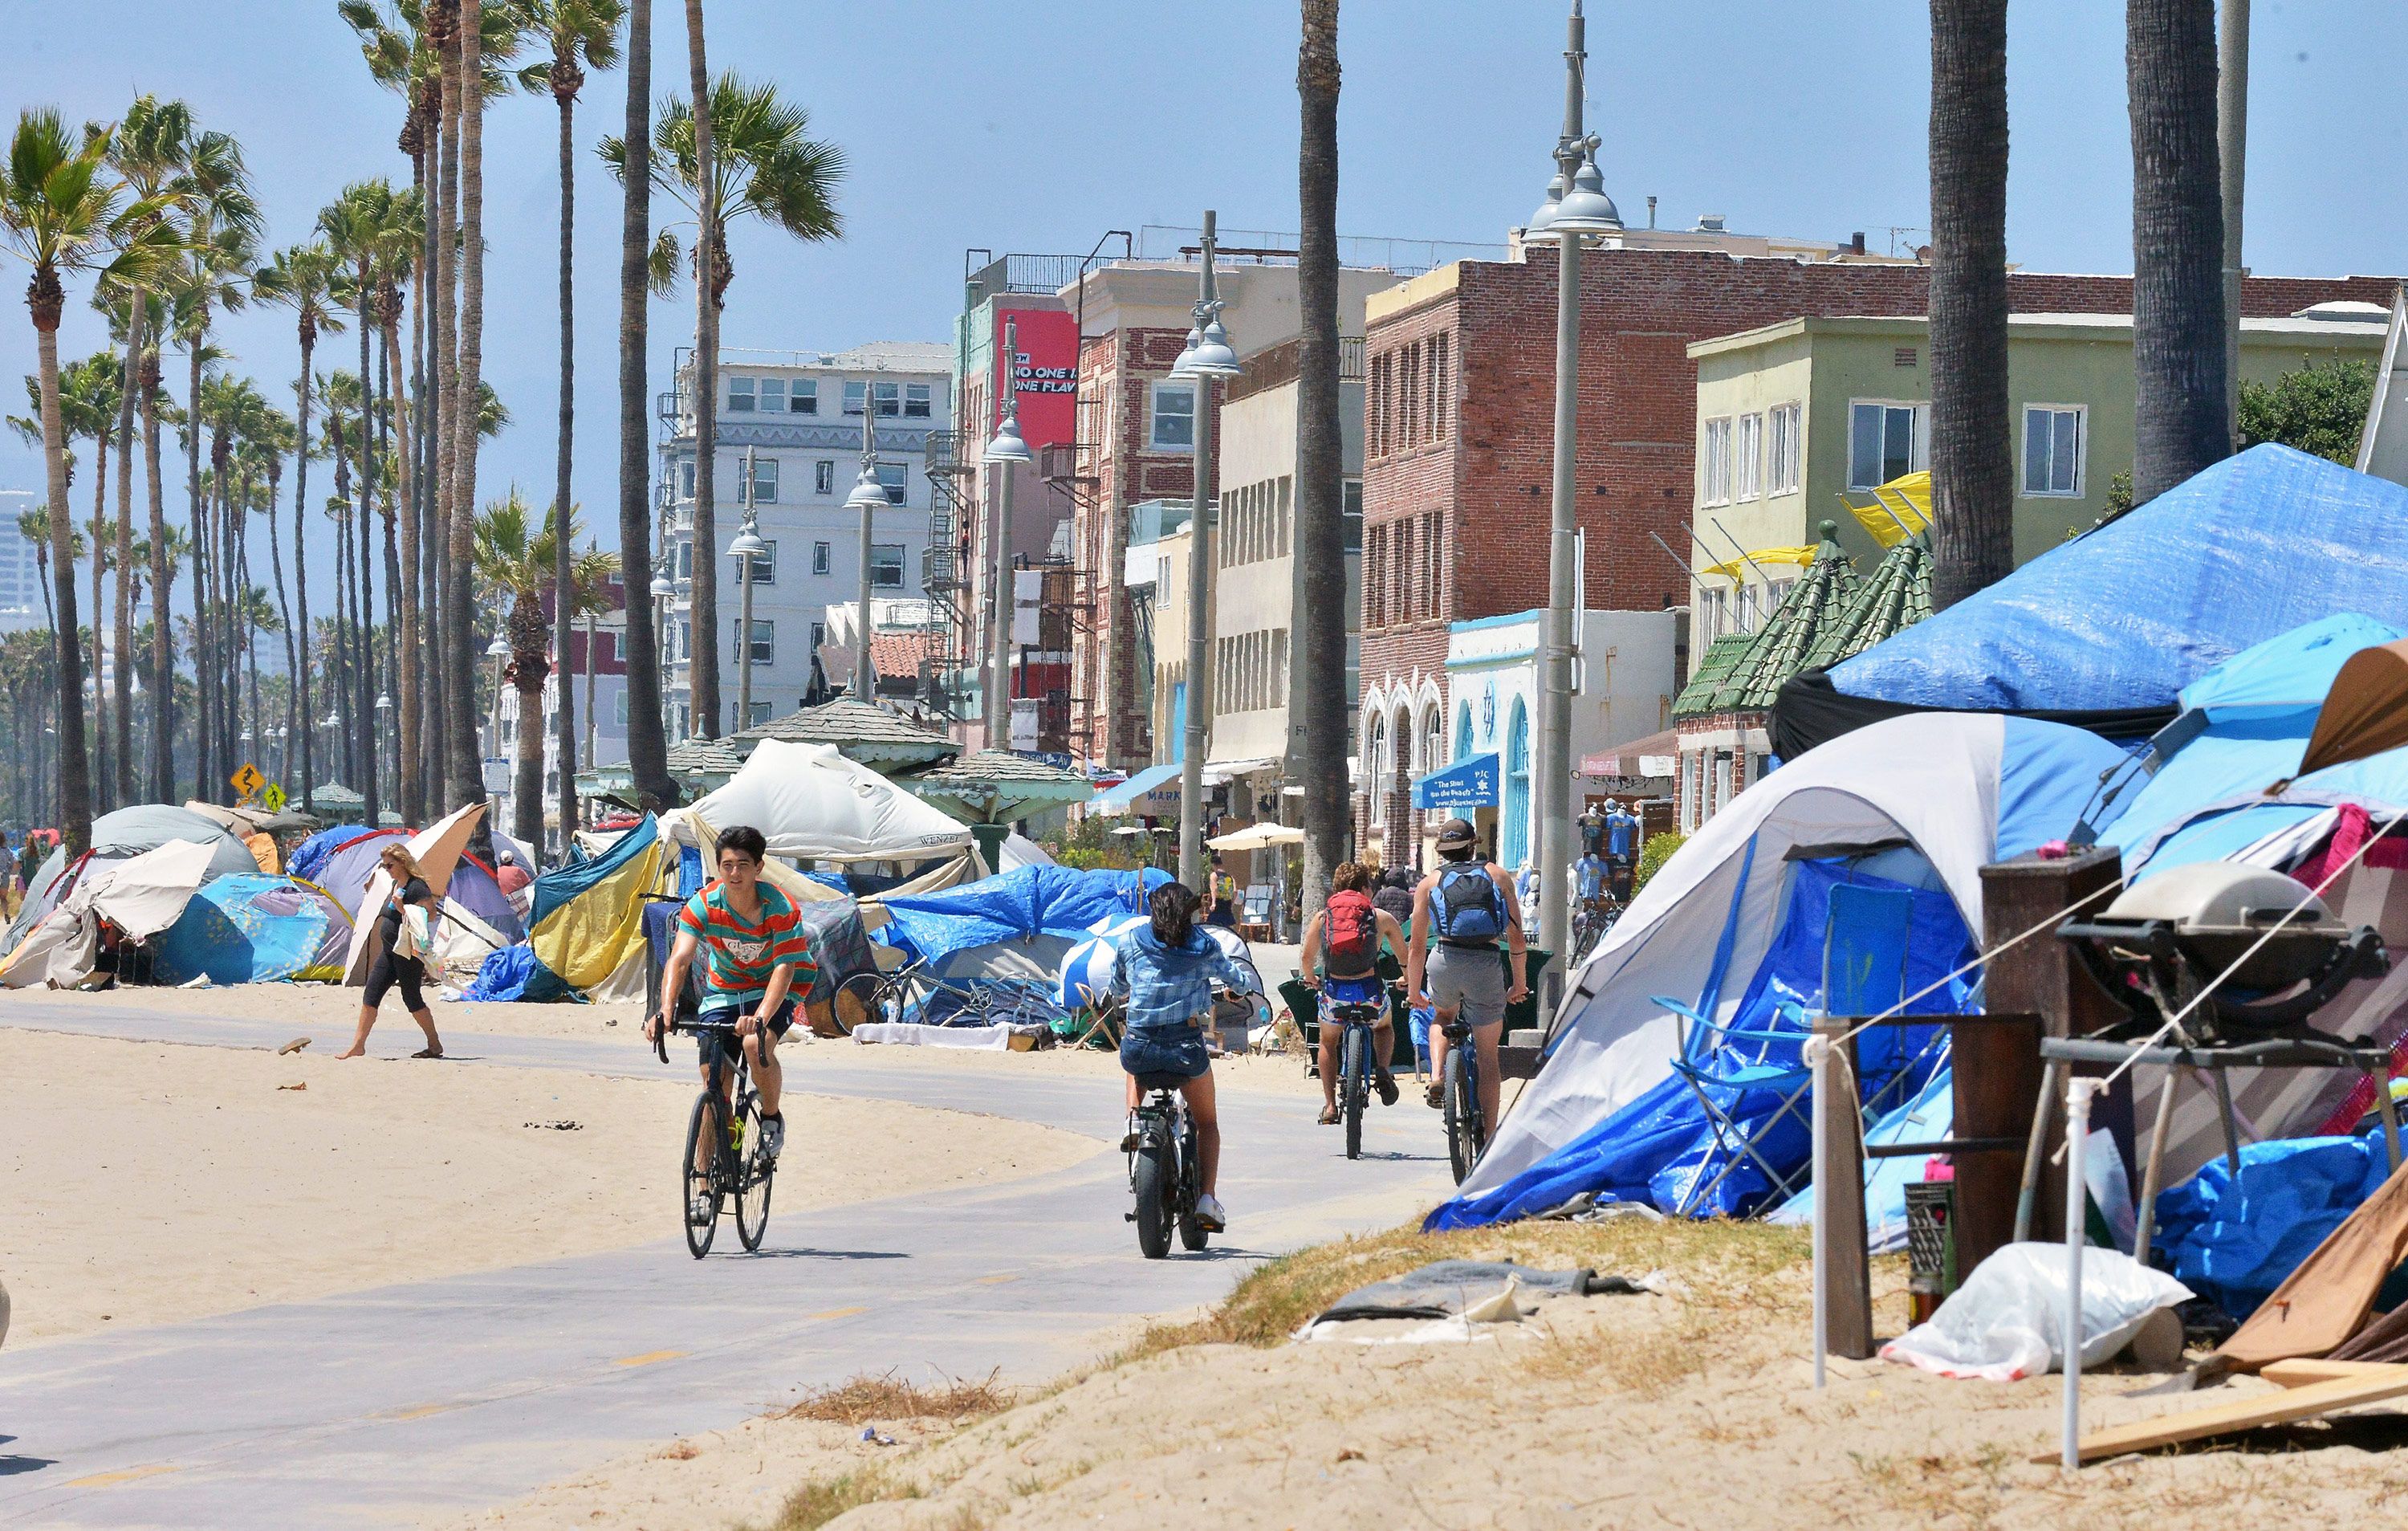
1166	968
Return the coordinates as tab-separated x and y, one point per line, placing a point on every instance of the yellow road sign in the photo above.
273	799
248	780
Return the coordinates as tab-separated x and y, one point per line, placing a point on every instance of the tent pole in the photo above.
2077	1129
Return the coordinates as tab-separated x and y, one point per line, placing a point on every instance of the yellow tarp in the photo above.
588	936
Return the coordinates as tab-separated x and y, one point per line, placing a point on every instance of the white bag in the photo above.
2005	1322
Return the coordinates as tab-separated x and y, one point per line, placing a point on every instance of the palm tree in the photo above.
2179	424
749	154
516	561
466	770
393	266
88	406
342	396
62	213
1317	724
35	527
647	737
583	35
268	437
591	578
300	279
1972	454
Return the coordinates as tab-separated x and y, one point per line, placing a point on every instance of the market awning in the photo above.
1135	794
1257	837
1470	783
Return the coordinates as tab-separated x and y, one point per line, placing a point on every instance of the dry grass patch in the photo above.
866	1400
823	1499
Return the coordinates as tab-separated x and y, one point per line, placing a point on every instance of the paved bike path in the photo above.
386	1406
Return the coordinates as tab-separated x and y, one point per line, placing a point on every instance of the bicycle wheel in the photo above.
1150	1181
1352	1088
1462	1114
755	1173
1193	1234
704	1127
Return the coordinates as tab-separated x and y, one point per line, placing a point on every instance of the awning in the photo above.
1257	837
1470	783
1134	795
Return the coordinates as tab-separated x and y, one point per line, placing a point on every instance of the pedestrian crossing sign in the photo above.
273	799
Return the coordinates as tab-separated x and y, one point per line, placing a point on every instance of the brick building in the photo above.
1459	436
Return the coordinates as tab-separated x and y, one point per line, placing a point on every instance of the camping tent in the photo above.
141	896
2105	631
255	928
814	805
437	851
1954	792
1014	929
120	837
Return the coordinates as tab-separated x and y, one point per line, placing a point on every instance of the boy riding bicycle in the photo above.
755	955
1346	938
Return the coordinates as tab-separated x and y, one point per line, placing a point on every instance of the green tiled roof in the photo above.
995	786
871	735
1831	614
1897	596
712	760
1696	698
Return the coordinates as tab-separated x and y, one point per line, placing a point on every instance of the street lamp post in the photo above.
1576	208
1007	449
1208	355
747	546
384	726
869	496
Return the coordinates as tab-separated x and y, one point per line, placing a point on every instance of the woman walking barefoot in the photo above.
391	968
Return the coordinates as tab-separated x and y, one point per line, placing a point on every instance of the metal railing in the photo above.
1406	257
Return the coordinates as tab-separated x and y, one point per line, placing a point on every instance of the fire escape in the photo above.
943	573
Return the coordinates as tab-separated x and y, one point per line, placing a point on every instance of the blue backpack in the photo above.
1467	906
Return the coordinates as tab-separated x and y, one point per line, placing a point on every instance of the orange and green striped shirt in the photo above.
739	955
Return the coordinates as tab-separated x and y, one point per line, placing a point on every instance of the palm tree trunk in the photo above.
432	295
702	661
365	604
2178	362
394	494
121	617
529	668
1317	714
455	691
401	583
203	693
647	740
45	299
284	610
307	729
100	768
1972	454
467	768
163	637
565	723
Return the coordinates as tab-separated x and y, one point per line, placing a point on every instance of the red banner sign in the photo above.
1045	372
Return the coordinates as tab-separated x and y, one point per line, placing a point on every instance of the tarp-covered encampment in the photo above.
139	897
814	805
256	929
120	837
1955	790
1012	930
587	921
2107	629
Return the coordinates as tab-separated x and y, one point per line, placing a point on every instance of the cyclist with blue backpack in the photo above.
1460	913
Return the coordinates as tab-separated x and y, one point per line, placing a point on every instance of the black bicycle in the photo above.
738	1167
1590	921
1459	1094
1163	1166
1354	1065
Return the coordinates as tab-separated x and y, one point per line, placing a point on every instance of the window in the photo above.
684	647
2053	449
686	479
891	479
1713	610
886	566
765	567
1716	464
619	709
819	558
1516	835
1442	387
1747	466
773	396
764	639
1174	417
760	713
915	402
1885	442
765	480
853	393
1463	731
804	399
740	396
685	560
890	399
1781	442
823	477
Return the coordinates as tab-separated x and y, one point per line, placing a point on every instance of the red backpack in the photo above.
1352	929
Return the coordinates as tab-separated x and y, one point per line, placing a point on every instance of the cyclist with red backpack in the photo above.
1345	939
1468	904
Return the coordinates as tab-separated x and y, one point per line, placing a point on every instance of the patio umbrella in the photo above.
1257	837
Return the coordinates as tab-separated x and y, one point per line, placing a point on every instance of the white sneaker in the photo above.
1212	1214
701	1209
773	1135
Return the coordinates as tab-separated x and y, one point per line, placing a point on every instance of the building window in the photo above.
684	635
685	560
760	715
1781	441
1174	418
1747	464
2053	449
765	566
886	567
773	396
1885	442
764	639
823	477
891	479
819	558
686	479
804	399
1515	840
1713	607
853	393
1716	467
740	396
1442	387
916	401
890	399
619	709
1463	731
765	480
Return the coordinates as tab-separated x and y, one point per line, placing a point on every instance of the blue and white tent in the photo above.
1923	801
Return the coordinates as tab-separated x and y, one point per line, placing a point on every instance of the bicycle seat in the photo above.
1149	1082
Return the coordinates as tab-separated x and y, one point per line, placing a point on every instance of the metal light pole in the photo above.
1007	449
747	546
1208	355
869	496
1577	208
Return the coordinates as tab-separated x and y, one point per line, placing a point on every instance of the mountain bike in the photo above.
738	1168
1459	1094
1354	1067
1163	1168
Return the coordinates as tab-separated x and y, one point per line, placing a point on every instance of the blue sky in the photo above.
1038	126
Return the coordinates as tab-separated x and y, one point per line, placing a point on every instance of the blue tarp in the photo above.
1470	783
2236	1243
1660	1145
2128	615
516	974
1027	902
249	928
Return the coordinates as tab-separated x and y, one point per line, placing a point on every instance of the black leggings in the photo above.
408	971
